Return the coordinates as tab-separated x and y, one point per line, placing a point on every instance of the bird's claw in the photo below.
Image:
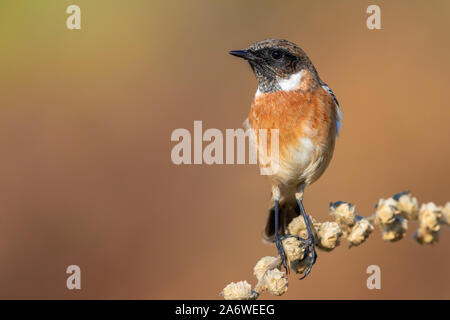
309	249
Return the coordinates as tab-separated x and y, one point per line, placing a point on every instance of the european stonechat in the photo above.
292	98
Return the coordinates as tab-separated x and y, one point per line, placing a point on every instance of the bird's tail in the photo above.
288	210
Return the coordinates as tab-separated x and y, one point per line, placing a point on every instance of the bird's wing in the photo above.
326	87
338	109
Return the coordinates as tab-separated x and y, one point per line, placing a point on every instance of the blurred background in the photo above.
86	117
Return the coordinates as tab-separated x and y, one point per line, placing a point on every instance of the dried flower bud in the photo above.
446	214
425	236
396	230
329	234
430	217
297	226
264	264
386	211
343	213
360	232
238	291
407	205
276	282
294	249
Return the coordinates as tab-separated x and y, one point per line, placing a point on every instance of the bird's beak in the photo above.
244	54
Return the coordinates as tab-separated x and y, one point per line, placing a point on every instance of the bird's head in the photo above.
277	64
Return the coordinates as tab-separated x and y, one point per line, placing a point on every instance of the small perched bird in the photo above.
292	98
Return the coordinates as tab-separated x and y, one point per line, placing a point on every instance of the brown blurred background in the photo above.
86	116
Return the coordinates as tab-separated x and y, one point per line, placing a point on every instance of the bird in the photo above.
293	99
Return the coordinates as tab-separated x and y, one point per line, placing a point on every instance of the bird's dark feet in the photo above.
310	250
310	255
279	244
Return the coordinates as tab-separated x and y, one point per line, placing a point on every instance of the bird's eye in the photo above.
277	54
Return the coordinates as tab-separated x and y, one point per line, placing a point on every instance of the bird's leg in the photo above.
278	237
310	245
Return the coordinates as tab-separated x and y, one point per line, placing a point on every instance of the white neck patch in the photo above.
291	83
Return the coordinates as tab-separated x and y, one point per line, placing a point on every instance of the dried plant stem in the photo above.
391	216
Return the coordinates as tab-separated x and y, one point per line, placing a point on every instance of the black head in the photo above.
275	60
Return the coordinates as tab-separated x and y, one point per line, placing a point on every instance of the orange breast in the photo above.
302	117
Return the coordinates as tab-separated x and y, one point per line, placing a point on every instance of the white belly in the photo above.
297	163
